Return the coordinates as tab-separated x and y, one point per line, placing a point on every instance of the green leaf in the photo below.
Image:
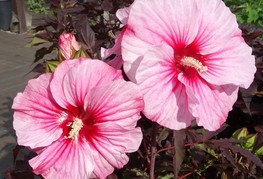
259	152
168	176
252	14
240	133
140	173
206	149
51	65
36	41
240	17
249	142
80	53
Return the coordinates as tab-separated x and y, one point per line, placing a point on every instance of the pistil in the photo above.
194	63
76	126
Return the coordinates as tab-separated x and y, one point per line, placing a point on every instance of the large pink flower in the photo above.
188	58
81	120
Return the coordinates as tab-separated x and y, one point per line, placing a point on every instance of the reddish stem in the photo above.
173	147
186	175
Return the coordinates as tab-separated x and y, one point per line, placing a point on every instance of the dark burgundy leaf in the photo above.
179	137
84	33
16	151
210	134
40	53
229	144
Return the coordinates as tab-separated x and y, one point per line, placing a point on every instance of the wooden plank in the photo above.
19	9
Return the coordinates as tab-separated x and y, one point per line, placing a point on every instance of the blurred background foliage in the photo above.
247	11
37	6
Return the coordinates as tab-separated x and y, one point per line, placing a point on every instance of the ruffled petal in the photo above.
36	121
117	61
164	21
214	101
64	159
166	101
216	26
56	85
119	102
116	108
132	50
123	14
111	148
233	64
82	78
228	58
108	156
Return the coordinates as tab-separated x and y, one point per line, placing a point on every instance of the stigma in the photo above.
194	63
76	126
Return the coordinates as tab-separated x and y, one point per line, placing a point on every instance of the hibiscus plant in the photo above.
143	89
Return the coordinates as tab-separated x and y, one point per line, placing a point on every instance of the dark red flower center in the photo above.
81	126
188	59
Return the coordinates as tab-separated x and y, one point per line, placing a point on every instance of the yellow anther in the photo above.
192	62
75	128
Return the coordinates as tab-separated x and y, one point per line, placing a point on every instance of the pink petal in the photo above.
67	43
64	159
32	114
117	61
214	101
82	78
165	21
75	44
111	147
56	86
119	102
123	14
117	109
216	26
132	49
116	49
166	101
124	140
232	65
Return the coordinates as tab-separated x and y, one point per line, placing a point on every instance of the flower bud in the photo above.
68	45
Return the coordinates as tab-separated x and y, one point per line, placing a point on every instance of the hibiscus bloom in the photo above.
189	59
68	45
81	120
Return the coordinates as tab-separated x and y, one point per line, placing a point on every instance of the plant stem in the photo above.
153	151
173	147
174	157
186	175
165	149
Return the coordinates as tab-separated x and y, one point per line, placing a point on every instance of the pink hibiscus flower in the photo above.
189	58
81	120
